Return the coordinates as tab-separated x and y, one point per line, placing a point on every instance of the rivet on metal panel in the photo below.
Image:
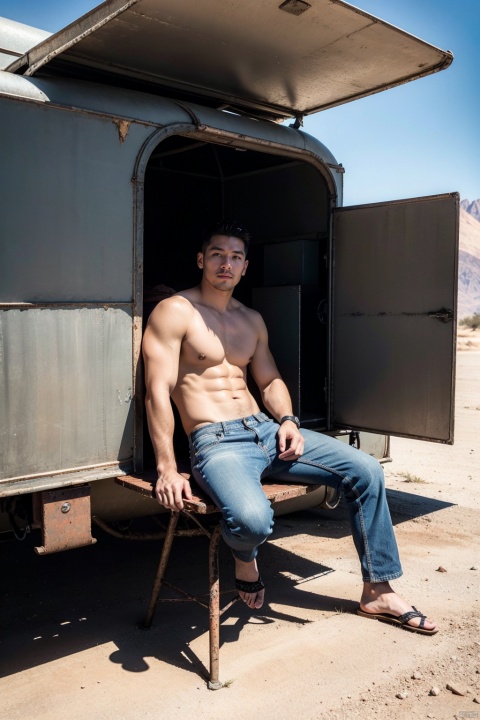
65	507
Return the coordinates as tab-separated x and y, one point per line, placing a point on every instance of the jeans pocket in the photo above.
204	441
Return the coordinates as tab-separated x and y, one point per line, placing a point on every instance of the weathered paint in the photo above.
66	388
66	246
248	54
395	273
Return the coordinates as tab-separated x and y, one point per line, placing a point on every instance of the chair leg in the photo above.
214	610
162	566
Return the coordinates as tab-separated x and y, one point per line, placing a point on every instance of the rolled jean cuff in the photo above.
383	578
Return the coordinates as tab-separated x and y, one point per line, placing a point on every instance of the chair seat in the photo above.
144	483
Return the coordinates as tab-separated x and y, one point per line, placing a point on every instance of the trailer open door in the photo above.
393	317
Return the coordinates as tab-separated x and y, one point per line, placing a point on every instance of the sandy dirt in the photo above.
70	648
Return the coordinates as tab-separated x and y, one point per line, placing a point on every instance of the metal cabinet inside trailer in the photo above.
117	150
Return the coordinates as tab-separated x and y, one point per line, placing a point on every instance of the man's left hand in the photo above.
290	441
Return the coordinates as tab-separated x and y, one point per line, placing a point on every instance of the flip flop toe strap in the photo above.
249	587
406	617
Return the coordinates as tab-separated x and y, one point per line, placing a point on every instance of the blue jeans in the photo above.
229	460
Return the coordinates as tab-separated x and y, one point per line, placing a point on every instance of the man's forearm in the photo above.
161	426
276	399
171	488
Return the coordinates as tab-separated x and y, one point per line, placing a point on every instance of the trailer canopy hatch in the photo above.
269	58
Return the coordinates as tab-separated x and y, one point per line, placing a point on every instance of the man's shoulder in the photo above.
191	295
180	302
175	309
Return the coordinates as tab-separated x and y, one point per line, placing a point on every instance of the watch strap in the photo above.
293	418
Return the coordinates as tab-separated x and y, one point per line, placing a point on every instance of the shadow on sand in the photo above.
58	605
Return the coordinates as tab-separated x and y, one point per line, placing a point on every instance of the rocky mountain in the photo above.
472	208
469	259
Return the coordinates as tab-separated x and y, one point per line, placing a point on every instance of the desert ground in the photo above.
70	648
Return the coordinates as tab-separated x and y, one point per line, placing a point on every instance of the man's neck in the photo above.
219	300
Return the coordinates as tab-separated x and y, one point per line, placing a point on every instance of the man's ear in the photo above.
245	268
200	260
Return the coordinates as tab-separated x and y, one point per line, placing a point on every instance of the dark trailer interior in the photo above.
284	202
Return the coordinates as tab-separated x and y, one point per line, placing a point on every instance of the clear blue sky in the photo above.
421	138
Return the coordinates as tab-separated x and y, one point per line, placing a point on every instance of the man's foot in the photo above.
380	602
245	573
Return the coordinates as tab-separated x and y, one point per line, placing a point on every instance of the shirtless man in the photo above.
197	347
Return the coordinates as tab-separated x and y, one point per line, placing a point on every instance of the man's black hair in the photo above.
230	228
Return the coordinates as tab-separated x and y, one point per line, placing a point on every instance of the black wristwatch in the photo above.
293	418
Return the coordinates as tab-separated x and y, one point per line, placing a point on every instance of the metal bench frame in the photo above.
201	505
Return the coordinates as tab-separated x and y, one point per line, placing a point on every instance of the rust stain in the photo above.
123	128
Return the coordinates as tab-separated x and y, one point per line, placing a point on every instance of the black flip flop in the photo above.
249	587
401	620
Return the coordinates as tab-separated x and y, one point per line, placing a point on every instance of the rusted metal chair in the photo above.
199	506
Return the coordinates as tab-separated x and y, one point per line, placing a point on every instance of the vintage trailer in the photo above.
122	136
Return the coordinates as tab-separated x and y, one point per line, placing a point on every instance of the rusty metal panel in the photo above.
64	518
65	388
66	226
395	280
252	55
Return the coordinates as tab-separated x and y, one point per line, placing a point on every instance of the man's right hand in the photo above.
171	489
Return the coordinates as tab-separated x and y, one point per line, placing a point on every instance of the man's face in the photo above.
223	262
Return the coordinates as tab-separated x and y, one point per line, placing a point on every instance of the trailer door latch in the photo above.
444	315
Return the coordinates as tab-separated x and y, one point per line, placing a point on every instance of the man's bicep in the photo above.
161	347
161	359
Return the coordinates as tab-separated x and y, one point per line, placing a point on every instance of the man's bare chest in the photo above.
212	340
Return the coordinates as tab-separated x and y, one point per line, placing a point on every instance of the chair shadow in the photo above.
66	603
170	638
